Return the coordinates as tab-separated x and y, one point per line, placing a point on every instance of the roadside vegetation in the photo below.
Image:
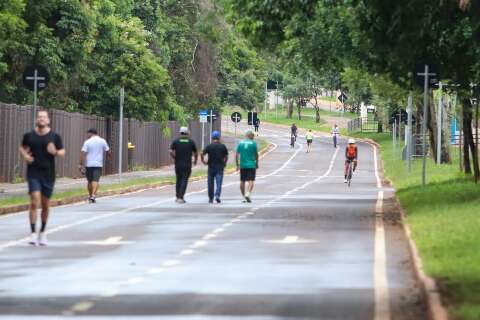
445	223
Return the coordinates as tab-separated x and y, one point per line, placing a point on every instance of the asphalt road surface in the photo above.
308	247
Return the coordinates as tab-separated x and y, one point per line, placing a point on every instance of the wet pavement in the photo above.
306	248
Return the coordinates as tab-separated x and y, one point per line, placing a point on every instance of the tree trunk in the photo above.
290	108
432	126
299	110
317	111
469	143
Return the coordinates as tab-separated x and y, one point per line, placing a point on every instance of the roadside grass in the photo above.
124	185
444	217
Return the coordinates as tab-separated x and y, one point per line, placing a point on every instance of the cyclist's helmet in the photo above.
351	141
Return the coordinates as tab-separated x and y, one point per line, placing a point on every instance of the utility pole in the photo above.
439	124
276	102
424	125
265	102
120	143
409	132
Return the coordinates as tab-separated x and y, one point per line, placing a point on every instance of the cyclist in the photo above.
292	141
294	130
309	137
351	155
335	134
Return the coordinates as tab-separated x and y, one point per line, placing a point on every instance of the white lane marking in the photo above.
199	244
218	230
109	293
226	225
186	252
82	306
209	236
382	299
135	280
285	164
375	163
170	263
111	241
291	240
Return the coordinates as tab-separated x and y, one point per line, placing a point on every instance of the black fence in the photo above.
364	125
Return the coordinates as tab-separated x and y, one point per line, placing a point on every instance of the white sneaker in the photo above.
42	239
33	239
345	181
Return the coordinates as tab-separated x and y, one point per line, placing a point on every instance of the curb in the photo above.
436	310
80	199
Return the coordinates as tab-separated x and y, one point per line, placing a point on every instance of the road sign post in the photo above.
342	98
203	116
35	78
236	118
120	143
410	132
439	124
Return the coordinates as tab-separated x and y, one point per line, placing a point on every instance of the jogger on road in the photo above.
91	161
182	151
309	137
246	159
335	134
217	154
39	148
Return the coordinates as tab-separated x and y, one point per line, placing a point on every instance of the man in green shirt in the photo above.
247	161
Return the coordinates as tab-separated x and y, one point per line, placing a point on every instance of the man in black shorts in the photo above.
181	151
91	161
247	161
39	148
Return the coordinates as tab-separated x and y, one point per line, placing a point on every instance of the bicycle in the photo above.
349	172
292	141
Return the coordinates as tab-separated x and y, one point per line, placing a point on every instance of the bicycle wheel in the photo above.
350	173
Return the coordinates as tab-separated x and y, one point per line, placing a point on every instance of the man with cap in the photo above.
247	161
182	151
217	160
91	161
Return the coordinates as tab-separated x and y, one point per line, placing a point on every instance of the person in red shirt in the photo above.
351	155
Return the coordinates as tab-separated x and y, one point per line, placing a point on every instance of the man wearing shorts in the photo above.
91	161
39	148
247	161
309	137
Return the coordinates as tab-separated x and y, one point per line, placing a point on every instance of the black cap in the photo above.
92	131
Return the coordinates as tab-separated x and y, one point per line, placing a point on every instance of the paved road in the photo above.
308	247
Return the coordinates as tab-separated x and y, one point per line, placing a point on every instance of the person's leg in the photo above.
251	184
94	188
210	183
35	203
354	165
178	174
346	169
242	188
47	191
45	212
184	182
219	182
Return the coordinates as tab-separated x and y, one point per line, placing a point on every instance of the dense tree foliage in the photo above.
382	39
173	57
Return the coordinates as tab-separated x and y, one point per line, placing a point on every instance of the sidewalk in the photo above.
65	184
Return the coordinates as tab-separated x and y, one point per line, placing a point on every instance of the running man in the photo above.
91	161
182	151
309	137
351	155
335	134
39	148
217	160
246	159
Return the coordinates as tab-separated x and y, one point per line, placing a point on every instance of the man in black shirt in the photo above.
217	160
39	148
181	151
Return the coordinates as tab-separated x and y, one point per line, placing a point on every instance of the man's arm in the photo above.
25	153
83	156
237	160
173	153
202	157
256	157
195	154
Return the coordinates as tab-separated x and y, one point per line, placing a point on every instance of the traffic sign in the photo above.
342	97
203	119
212	115
433	75
236	117
35	74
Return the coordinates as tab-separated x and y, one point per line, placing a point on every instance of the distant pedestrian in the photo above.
39	148
246	159
217	154
293	130
183	151
256	125
309	137
335	135
91	161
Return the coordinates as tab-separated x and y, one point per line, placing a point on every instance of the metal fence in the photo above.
363	125
150	140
